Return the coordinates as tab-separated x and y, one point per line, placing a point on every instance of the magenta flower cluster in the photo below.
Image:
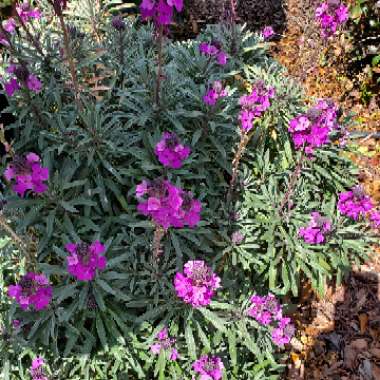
85	259
32	290
254	104
21	78
374	218
27	174
168	205
316	230
165	343
311	130
197	284
170	152
214	93
268	32
214	50
26	13
36	370
354	203
330	15
160	11
209	367
267	310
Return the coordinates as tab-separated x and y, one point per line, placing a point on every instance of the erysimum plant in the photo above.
162	197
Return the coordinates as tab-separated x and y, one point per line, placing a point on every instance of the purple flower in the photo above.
166	343
168	205
16	323
254	105
312	130
11	87
209	367
265	309
118	23
212	50
25	12
268	32
197	284
27	173
284	332
10	25
237	237
85	259
214	93
354	203
33	83
32	290
316	230
36	369
170	152
374	217
331	15
161	11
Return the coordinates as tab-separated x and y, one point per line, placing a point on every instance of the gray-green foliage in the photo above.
96	156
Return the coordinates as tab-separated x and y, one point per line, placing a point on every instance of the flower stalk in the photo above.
159	233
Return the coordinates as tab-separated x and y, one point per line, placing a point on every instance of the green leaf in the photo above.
219	323
190	341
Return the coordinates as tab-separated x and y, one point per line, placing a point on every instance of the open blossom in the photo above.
27	174
85	259
214	50
354	203
316	230
268	32
237	237
197	284
284	332
170	152
161	11
168	205
209	367
118	23
21	78
312	129
374	217
32	290
265	309
214	93
26	12
36	369
166	343
254	104
330	15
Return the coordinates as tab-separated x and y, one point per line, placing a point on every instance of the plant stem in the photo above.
244	139
69	56
233	26
159	233
159	70
292	183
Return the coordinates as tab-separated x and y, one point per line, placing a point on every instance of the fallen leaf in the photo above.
363	319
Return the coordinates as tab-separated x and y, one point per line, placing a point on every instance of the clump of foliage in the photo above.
157	192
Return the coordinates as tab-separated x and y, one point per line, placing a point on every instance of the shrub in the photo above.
162	270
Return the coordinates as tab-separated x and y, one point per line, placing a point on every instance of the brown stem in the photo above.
69	56
244	139
233	26
159	233
292	183
159	70
32	39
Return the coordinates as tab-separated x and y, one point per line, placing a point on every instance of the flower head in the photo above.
312	129
265	309
254	105
36	369
209	367
374	217
27	174
197	284
354	203
85	259
284	332
168	205
32	290
316	230
118	23
165	343
160	11
26	12
214	50
214	93
331	15
268	32
170	152
21	78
